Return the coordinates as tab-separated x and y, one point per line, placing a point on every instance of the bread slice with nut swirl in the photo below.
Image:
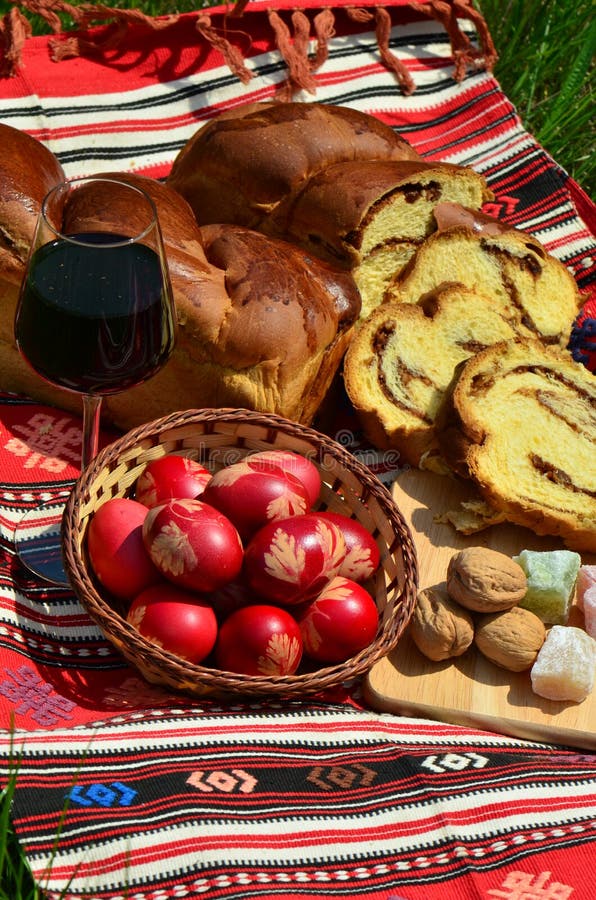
520	421
502	262
401	361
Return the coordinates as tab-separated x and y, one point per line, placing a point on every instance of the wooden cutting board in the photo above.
469	690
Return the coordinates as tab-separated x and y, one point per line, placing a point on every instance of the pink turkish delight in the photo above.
586	578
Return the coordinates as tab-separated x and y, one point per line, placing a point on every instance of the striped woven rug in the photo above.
127	792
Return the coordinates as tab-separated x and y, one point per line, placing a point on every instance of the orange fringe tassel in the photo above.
293	47
232	55
383	32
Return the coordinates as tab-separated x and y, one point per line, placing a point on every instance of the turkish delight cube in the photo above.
586	578
551	576
589	607
566	665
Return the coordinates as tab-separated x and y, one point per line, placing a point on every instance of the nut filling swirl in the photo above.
526	414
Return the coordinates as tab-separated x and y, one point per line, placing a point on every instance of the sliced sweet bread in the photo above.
371	215
376	269
509	265
402	359
520	421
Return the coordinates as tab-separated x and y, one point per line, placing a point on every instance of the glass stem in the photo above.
91	416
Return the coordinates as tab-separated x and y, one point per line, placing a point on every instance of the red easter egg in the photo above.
192	544
170	477
290	561
299	466
176	620
342	620
116	549
251	494
362	553
259	640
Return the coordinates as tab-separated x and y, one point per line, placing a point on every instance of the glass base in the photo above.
38	540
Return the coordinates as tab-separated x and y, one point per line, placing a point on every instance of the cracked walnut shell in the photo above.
485	580
511	639
439	627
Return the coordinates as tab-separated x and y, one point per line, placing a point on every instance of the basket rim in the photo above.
232	415
118	630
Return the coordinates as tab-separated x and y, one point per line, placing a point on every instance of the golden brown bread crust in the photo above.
244	168
234	262
191	276
178	225
333	180
271	341
27	172
276	307
260	324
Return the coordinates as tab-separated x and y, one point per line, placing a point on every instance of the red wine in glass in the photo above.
95	316
108	335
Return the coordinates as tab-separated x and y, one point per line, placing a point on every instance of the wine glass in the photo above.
95	316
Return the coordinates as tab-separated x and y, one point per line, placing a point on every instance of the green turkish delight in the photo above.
551	576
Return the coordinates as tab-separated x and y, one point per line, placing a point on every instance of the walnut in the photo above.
439	627
485	580
511	638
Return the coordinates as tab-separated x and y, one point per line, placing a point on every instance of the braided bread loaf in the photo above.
260	324
247	165
333	180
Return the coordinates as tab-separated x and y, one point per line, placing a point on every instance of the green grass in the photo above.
546	66
16	881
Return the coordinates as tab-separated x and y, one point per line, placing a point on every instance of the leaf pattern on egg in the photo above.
358	563
332	545
284	559
281	655
289	504
172	551
312	637
230	474
186	505
338	589
136	616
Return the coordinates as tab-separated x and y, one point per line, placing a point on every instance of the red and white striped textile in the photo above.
127	792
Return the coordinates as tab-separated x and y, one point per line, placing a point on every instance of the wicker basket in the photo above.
217	437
